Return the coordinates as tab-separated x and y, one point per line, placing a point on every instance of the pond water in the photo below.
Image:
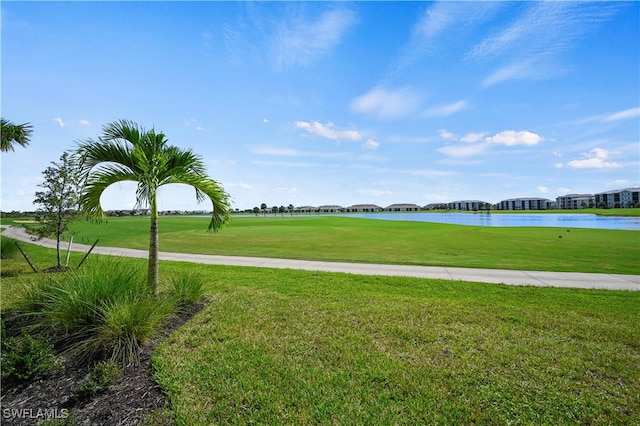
564	220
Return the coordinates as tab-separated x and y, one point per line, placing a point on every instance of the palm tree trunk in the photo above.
152	274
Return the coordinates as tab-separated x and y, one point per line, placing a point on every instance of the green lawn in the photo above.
298	347
376	241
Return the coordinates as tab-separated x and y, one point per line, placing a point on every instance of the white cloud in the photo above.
265	120
387	104
328	131
563	190
513	138
543	189
444	134
85	122
371	144
445	110
301	41
59	121
595	159
472	137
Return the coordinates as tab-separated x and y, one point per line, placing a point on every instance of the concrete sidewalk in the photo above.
495	276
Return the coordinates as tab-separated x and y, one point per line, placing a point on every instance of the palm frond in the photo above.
97	183
206	187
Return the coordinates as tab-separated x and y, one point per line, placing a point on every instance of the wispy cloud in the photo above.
387	104
284	152
445	134
373	192
623	115
472	137
300	41
612	116
60	122
371	144
441	19
445	110
533	44
465	150
597	158
85	122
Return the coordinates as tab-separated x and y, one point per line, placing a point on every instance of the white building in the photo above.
526	204
402	208
468	205
363	208
620	198
575	201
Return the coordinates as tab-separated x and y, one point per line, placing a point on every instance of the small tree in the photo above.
256	210
291	208
263	207
59	199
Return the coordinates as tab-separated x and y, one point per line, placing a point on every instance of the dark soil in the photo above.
135	395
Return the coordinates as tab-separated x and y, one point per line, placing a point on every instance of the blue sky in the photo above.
313	103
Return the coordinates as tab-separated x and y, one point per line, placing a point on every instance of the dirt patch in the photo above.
135	395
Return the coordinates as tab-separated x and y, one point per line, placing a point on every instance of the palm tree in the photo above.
127	152
263	207
290	207
14	134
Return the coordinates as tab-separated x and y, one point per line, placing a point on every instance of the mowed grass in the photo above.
294	347
299	347
345	239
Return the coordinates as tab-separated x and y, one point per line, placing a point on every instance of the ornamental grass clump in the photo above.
186	288
108	311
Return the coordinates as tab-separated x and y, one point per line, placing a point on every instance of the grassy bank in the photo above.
296	347
375	241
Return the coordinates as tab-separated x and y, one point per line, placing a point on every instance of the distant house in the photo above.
306	209
402	208
620	198
363	208
526	204
435	206
575	201
330	209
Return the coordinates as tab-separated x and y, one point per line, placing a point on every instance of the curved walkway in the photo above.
532	278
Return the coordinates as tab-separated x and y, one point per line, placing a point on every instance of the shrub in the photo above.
24	358
101	378
106	312
186	288
8	248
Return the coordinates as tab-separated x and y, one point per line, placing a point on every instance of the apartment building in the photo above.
468	205
526	204
575	201
619	198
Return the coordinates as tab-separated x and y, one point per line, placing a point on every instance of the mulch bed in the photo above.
135	395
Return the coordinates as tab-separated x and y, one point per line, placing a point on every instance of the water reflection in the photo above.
564	220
